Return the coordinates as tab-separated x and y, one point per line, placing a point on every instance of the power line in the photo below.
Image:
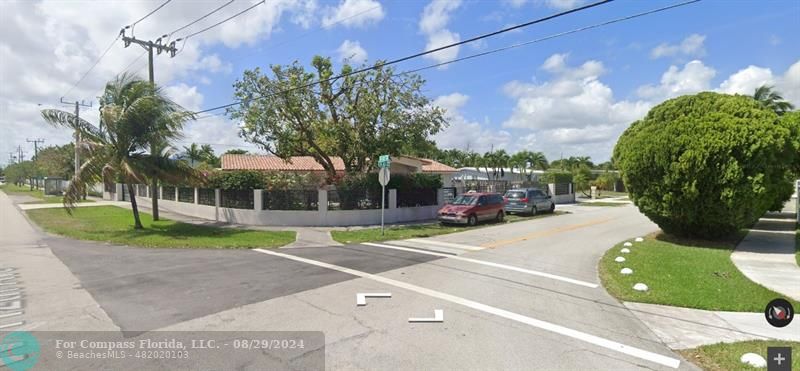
417	55
553	36
222	21
201	18
148	14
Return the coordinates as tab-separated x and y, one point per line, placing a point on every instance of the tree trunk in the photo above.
154	197
137	222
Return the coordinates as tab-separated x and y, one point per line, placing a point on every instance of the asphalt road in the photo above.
520	314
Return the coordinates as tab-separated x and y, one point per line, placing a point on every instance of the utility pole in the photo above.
35	153
20	154
78	106
149	46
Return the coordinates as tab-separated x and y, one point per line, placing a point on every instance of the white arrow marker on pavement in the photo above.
438	316
361	298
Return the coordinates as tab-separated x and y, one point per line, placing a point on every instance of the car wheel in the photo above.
552	207
533	210
473	220
500	216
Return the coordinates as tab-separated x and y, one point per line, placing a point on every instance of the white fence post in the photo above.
118	196
258	196
392	199
196	196
176	193
216	204
440	196
160	192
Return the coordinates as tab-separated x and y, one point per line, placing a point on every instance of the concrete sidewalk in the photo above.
767	254
82	204
684	328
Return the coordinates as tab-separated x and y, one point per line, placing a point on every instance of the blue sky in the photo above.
570	95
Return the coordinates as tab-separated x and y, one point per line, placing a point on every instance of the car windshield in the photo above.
465	200
515	194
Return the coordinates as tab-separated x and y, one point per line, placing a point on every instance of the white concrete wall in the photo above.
561	199
320	217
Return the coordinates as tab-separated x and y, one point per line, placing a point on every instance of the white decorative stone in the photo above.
753	360
626	271
639	239
619	259
627	244
640	287
625	250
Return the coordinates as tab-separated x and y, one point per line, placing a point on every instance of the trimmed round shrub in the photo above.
706	165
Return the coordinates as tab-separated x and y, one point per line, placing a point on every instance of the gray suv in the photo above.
528	201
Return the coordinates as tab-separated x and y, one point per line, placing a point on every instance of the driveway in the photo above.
525	296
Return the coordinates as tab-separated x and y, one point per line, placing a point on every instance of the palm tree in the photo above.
772	99
133	114
193	153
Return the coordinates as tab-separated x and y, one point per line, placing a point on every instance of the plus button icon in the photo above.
779	358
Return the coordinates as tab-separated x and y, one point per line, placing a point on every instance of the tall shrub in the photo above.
706	165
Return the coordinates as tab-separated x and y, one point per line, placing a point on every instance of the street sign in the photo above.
383	176
384	161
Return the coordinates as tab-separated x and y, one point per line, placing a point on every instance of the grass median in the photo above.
373	234
726	356
115	225
13	189
684	273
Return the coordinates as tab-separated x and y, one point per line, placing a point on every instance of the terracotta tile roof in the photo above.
275	163
305	163
431	166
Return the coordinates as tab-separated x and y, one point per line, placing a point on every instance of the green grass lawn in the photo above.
418	230
14	189
725	356
610	194
115	225
611	204
684	273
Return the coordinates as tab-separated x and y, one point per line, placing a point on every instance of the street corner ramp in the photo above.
147	289
362	258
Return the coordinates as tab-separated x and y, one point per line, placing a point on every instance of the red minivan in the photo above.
471	208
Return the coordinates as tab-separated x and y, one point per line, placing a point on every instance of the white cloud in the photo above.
746	80
463	133
187	96
693	78
353	13
433	24
46	46
352	51
691	46
563	4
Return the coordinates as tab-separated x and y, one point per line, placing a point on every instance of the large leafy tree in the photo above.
768	97
134	114
192	153
292	112
56	161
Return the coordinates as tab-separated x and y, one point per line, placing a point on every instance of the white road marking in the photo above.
361	298
490	264
547	326
438	316
445	244
15	305
11	289
7	270
769	231
778	220
11	314
3	300
8	284
15	324
5	295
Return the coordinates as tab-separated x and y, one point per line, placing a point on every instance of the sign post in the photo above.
383	177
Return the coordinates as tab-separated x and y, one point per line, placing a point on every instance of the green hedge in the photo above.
707	165
555	177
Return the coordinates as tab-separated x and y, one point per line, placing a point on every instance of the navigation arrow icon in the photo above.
438	316
361	298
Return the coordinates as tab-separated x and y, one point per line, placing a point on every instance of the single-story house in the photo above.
307	164
508	174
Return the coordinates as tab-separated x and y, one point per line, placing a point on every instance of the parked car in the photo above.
528	201
471	208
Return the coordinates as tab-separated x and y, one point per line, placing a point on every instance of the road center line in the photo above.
544	233
490	264
547	326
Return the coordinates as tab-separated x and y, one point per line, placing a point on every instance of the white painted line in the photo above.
438	316
11	314
445	244
361	298
4	270
490	264
9	294
15	324
9	284
3	300
547	326
777	220
769	231
10	289
8	275
15	305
